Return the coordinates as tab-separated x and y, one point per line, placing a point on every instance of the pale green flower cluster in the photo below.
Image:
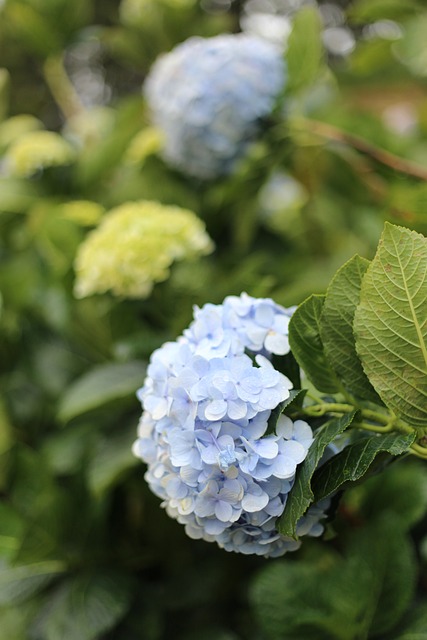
135	245
37	150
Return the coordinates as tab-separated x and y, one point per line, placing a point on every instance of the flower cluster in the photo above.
207	399
135	245
38	150
208	97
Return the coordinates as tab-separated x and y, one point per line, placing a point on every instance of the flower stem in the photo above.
61	87
329	132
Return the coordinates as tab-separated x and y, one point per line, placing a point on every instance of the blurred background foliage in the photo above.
85	551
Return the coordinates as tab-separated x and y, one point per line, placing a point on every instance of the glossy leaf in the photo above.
19	583
86	607
355	460
301	495
100	386
296	397
306	344
361	593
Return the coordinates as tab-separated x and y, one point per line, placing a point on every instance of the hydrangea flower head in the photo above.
134	246
209	95
37	150
204	430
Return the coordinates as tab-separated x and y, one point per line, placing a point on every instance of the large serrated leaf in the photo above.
415	624
400	489
360	593
301	495
86	607
305	49
336	328
355	461
17	584
307	347
386	551
391	323
100	386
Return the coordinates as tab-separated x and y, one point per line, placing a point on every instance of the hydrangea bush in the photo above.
262	424
220	467
209	97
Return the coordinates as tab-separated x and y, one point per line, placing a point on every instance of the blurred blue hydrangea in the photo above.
209	96
207	399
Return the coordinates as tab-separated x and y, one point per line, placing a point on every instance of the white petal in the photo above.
277	343
223	511
215	410
252	503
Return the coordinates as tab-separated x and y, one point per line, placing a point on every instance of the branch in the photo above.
61	87
329	132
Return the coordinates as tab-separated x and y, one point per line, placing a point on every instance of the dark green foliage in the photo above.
85	551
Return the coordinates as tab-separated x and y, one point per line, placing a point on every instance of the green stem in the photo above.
419	451
367	426
385	423
320	409
61	87
330	132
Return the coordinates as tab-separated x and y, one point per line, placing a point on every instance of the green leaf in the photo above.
4	92
296	396
304	55
400	489
112	459
408	197
415	625
368	11
355	460
411	48
385	549
324	598
17	195
363	591
11	530
336	328
283	605
391	323
86	606
301	495
15	622
66	450
42	502
101	385
289	367
307	347
397	572
20	583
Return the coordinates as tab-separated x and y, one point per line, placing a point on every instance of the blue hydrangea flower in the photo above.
207	399
209	96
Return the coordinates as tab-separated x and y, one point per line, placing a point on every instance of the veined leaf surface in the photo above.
391	323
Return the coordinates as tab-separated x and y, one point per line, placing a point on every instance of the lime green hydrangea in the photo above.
134	246
37	150
146	143
17	126
85	213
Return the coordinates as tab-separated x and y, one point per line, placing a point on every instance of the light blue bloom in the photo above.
203	429
209	96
